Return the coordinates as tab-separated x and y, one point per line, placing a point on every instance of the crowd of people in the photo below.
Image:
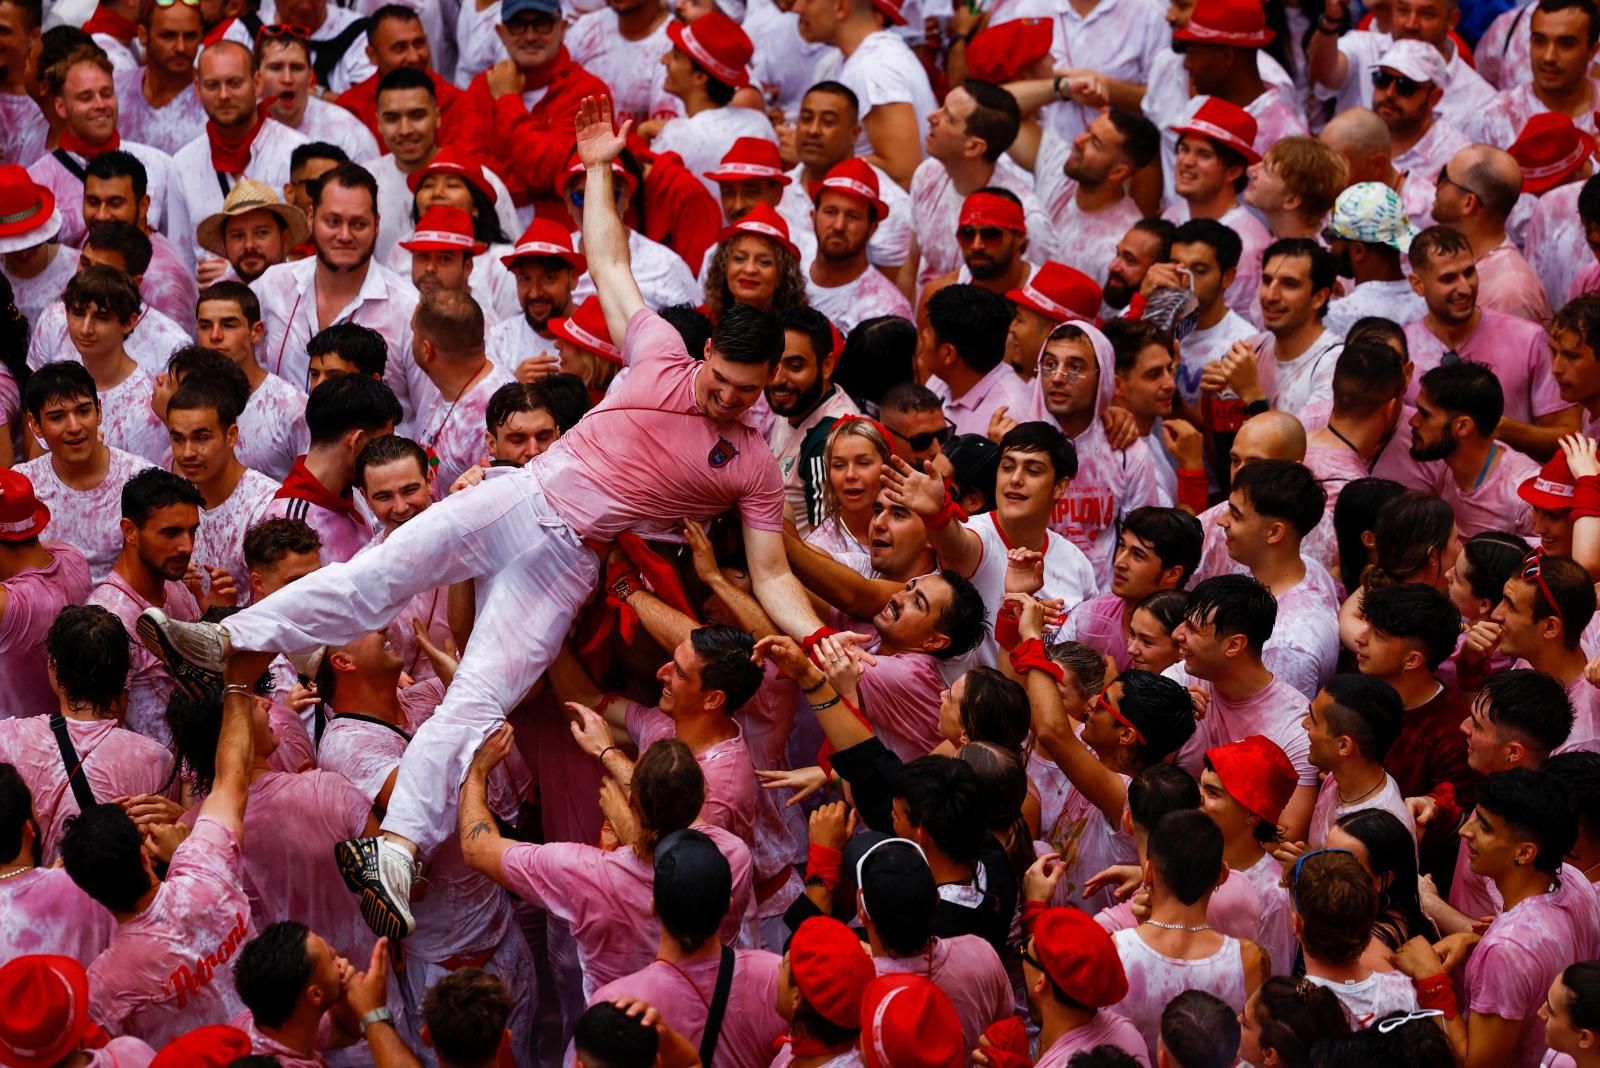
799	532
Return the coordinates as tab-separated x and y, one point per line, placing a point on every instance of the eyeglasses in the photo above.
1533	571
279	29
1104	702
540	23
1444	179
1294	872
1050	367
916	442
1382	79
1385	1026
170	3
1031	959
990	234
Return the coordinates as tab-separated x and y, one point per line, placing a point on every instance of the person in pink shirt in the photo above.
961	356
41	908
1574	333
692	891
823	977
447	344
610	916
1477	191
45	1018
87	653
1074	980
1351	726
37	580
1521	829
167	968
160	518
116	187
1541	618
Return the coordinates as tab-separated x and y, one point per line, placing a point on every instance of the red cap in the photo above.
22	515
1059	293
908	1022
575	170
44	1009
762	220
586	328
1257	773
457	162
443	228
750	157
1080	957
853	177
1553	487
718	44
1003	53
1549	149
1240	23
891	10
1225	123
545	237
831	969
205	1047
992	209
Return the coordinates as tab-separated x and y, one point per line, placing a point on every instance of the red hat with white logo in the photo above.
853	177
1003	53
586	328
750	158
908	1022
762	220
1549	150
443	228
1060	293
718	44
22	514
44	1010
545	237
1237	23
462	165
1553	488
1225	123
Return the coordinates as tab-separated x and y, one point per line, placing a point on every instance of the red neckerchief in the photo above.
79	147
610	616
216	32
303	485
549	72
108	22
230	154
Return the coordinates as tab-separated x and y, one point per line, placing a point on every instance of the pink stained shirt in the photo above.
220	542
968	969
683	991
1097	623
1335	468
149	684
128	423
43	911
1494	503
604	898
116	763
1087	842
1329	808
1086	240
1000	387
936	214
1304	648
1234	910
648	456
1274	929
272	428
170	969
1274	711
1376	996
154	339
730	777
1068	575
264	1046
168	284
168	127
900	698
1507	283
34	598
1109	484
453	429
88	519
1556	249
33	296
867	296
1155	979
1516	350
1108	1028
1586	716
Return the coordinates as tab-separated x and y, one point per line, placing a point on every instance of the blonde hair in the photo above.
855	428
595	371
1311	170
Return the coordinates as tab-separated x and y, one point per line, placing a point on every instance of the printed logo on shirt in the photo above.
185	983
1083	515
722	453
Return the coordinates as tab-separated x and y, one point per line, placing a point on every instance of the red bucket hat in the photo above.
1239	23
443	228
1001	53
44	1009
1257	773
22	514
750	158
762	220
992	209
586	328
856	178
1082	961
459	163
1225	123
718	44
1553	487
545	237
831	969
204	1047
1549	149
908	1022
1060	293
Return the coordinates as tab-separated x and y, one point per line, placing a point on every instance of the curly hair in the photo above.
791	291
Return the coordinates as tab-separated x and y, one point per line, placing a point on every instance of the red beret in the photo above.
831	969
1002	53
205	1047
1079	956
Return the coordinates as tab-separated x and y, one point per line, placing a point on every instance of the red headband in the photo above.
991	209
879	427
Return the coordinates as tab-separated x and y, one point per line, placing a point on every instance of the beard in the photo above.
804	401
1433	450
1116	293
986	269
361	262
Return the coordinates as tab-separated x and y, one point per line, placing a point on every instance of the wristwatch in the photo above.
623	588
381	1014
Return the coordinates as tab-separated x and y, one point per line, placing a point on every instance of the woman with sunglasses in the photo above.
855	454
755	263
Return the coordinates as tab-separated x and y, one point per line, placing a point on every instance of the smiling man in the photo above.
802	395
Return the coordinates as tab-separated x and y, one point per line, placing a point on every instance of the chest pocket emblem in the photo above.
722	453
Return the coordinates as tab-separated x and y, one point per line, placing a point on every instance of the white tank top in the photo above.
1155	979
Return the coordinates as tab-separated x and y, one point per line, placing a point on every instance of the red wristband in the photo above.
950	512
1006	635
1029	656
1438	992
816	636
1586	498
822	864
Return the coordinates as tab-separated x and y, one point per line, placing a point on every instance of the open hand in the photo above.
599	141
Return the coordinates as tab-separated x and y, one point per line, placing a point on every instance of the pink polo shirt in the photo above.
604	898
1108	1028
149	685
969	970
1000	387
1516	350
33	600
170	969
43	911
647	456
730	778
900	698
116	762
683	991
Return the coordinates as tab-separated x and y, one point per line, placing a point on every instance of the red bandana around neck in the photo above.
230	153
303	485
215	33
547	73
79	147
108	22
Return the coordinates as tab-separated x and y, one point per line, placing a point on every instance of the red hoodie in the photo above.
677	210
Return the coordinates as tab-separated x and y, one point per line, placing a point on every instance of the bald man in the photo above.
1363	139
1476	191
238	142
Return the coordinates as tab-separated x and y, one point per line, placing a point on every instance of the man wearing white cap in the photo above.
1367	236
545	269
1477	190
1407	86
1564	38
840	283
708	63
35	262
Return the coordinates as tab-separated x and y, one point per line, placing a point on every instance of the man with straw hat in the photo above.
253	231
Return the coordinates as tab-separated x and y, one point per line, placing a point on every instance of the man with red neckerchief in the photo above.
395	41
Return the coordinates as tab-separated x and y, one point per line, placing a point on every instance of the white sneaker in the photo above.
382	873
194	653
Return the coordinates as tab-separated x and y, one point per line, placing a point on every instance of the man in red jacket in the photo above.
517	115
395	39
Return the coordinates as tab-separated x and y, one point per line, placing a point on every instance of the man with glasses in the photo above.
1455	328
159	104
1477	191
1407	86
517	115
918	428
239	142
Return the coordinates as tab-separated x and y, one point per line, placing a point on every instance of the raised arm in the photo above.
780	593
923	492
1328	66
482	844
605	238
235	742
843	587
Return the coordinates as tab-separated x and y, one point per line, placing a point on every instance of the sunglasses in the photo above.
278	29
1382	79
1533	571
540	23
1294	873
1385	1026
969	234
1444	179
924	441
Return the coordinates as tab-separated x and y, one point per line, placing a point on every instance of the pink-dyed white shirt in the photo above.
1155	979
220	542
1391	300
22	129
967	968
1275	711
682	992
730	777
153	341
631	69
999	387
272	428
936	210
1118	38
648	456
34	295
1432	152
1097	623
870	295
116	763
89	520
43	911
1207	346
1108	1028
170	969
1234	910
149	685
127	421
1502	55
34	598
1506	114
1554	245
1507	283
1086	240
881	71
196	193
169	127
168	284
900	698
1068	575
1075	829
1274	928
1516	350
1290	385
1329	808
1374	997
335	125
453	430
1304	648
68	188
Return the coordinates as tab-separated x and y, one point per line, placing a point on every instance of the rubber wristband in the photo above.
823	706
602	757
823	864
813	689
1030	656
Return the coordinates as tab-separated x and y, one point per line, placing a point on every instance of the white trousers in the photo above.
533	575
